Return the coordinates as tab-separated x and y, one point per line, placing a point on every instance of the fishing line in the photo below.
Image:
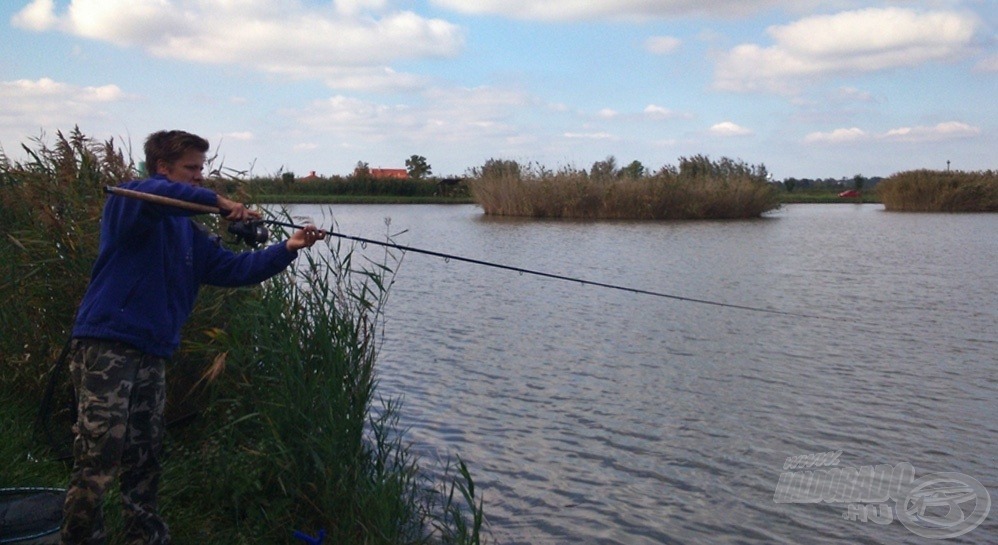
447	257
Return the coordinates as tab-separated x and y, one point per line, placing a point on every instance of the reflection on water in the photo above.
590	415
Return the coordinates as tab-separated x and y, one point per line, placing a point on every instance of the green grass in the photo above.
298	198
25	460
804	197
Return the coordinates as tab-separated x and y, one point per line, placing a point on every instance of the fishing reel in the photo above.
251	233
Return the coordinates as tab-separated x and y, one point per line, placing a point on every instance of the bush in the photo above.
345	185
940	191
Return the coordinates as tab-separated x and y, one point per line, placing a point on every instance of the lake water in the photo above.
590	415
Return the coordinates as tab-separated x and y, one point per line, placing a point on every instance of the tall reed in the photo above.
699	189
940	191
50	208
289	434
300	441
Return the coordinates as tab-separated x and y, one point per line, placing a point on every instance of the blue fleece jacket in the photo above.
152	260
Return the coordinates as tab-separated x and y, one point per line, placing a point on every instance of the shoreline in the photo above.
815	198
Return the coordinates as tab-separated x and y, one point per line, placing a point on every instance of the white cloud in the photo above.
590	135
727	128
348	44
949	130
574	10
838	136
48	103
662	45
356	7
32	107
851	94
239	135
444	115
848	42
654	111
38	15
607	113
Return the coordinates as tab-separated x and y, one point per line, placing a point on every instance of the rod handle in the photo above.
159	199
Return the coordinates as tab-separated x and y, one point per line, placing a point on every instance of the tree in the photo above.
606	168
634	170
362	170
418	167
498	168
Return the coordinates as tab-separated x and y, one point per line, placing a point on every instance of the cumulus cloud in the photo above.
239	135
865	40
654	111
662	45
727	128
347	44
589	136
356	7
575	10
38	15
443	115
49	103
949	130
851	94
837	136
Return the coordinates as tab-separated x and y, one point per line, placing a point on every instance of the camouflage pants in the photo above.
121	394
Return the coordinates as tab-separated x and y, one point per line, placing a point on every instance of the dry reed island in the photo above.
699	188
702	188
940	191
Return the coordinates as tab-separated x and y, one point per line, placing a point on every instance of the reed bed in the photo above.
940	191
290	433
699	188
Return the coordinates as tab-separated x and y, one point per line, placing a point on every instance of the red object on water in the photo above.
849	193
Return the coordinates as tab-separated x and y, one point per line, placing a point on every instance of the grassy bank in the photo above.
277	383
698	189
804	197
297	198
940	191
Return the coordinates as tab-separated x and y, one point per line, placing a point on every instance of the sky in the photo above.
808	88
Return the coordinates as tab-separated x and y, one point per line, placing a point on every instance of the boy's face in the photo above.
186	170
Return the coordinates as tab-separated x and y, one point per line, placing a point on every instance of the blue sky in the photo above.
810	88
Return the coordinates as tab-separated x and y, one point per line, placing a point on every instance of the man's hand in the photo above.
235	211
305	238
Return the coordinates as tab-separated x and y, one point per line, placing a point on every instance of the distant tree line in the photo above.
858	182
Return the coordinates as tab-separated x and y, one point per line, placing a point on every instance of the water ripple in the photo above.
598	417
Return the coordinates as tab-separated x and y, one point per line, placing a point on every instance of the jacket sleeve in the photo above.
222	267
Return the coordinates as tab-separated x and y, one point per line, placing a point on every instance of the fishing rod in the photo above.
252	233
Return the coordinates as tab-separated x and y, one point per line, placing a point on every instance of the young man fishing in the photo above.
151	261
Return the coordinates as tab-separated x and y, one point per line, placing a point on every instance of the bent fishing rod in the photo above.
252	233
